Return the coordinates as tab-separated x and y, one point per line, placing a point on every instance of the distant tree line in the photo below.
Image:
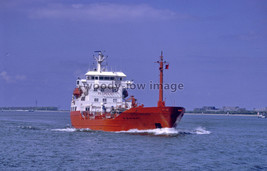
223	110
45	108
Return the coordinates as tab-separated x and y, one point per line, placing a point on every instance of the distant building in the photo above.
226	110
45	108
260	109
231	108
206	109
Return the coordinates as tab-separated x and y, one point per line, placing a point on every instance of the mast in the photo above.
161	103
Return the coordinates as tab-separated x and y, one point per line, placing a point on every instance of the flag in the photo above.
167	66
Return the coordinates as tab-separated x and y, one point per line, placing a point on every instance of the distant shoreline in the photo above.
214	114
34	111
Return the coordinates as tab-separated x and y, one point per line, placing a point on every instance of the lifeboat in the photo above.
77	92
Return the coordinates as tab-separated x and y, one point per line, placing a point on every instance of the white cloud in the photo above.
9	79
20	77
103	12
4	76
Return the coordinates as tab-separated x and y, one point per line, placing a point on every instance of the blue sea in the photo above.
46	141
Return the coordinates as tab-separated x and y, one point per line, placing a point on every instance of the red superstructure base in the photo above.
141	118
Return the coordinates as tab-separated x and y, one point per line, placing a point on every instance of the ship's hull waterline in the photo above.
141	118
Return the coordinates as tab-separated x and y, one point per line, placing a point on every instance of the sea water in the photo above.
46	141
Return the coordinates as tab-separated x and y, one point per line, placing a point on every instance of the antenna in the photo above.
99	59
35	104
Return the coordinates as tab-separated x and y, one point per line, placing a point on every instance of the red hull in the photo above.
141	118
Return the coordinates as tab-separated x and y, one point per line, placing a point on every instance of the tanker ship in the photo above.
100	102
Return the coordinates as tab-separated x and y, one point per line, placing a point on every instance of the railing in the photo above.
92	116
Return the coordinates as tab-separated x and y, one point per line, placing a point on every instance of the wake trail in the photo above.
168	131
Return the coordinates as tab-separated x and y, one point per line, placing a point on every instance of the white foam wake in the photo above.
201	130
158	131
65	130
167	131
29	127
72	130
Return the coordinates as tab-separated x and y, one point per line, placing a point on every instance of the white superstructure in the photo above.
101	91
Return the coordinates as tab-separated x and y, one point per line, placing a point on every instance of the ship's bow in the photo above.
176	114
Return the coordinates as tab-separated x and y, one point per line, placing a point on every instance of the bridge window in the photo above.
101	78
106	78
112	78
74	108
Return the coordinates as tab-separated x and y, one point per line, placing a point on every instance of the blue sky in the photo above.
217	49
